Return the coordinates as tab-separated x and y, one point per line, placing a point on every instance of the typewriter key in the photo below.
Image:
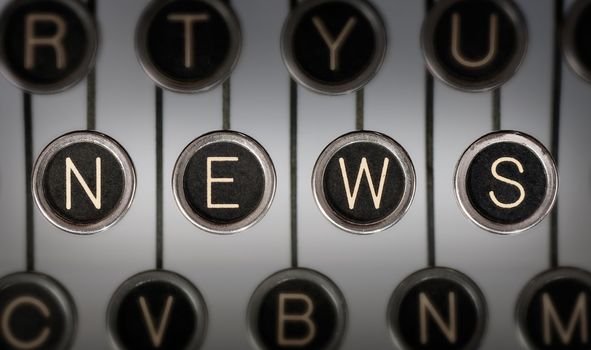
188	45
554	310
333	46
437	308
297	308
84	182
577	48
363	182
36	312
47	46
474	45
506	182
224	182
157	310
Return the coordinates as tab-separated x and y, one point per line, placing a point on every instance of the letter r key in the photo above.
47	46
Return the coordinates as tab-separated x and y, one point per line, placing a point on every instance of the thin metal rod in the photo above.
359	109
496	109
293	155
429	126
555	137
30	222
226	105
159	180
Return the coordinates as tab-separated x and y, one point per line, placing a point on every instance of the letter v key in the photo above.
156	335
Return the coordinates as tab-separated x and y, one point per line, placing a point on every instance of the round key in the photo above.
439	309
554	310
188	45
156	310
333	46
47	45
36	312
577	48
297	308
363	182
224	182
506	182
84	182
474	45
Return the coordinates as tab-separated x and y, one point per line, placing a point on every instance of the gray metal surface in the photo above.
367	269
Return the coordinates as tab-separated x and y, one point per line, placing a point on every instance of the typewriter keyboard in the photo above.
283	174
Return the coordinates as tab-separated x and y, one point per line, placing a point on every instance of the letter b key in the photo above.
297	309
